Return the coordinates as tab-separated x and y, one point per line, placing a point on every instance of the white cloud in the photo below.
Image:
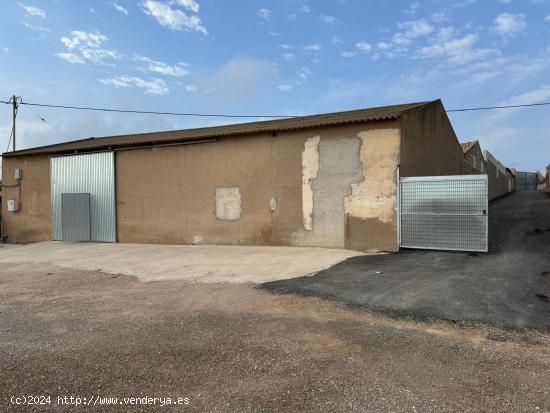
71	57
191	88
505	1
242	78
347	54
506	24
412	8
463	3
439	17
35	27
285	88
289	56
189	5
303	74
315	47
363	47
305	8
547	18
291	17
152	87
286	46
173	18
5	49
412	30
360	47
264	14
149	65
84	46
538	95
33	11
457	50
120	8
328	19
83	39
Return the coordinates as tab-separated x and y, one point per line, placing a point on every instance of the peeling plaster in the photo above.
375	196
333	165
310	167
228	203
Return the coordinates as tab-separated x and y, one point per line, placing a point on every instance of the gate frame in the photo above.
442	178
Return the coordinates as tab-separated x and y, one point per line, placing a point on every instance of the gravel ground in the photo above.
235	348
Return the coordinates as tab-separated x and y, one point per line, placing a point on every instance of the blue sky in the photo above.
277	57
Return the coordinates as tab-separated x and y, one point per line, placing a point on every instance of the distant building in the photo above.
513	182
474	163
500	181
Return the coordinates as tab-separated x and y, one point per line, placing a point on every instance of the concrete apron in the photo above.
195	263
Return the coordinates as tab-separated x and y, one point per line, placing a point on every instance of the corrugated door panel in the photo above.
88	173
75	217
444	212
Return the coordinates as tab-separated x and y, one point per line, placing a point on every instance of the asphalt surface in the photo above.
235	348
508	286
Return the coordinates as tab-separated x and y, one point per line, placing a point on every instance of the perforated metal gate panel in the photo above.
527	181
444	212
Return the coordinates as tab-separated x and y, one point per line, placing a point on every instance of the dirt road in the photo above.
235	348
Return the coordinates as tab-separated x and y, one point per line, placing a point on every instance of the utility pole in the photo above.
14	103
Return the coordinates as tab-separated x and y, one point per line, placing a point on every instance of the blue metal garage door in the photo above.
444	212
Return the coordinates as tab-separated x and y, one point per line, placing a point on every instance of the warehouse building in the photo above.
474	162
500	180
324	180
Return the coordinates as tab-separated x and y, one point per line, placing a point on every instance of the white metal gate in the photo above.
444	212
92	174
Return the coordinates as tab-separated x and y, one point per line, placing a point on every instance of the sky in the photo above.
276	57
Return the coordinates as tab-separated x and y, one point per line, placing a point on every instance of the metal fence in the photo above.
88	173
526	181
444	212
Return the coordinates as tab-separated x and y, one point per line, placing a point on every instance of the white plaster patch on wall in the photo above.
375	196
310	167
228	203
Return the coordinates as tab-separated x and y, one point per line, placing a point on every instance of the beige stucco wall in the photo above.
168	195
429	146
33	221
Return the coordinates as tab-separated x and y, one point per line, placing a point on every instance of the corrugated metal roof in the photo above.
153	138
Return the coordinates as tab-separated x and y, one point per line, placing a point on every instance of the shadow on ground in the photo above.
509	286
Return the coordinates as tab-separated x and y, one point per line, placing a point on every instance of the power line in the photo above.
224	115
146	112
500	107
46	122
9	141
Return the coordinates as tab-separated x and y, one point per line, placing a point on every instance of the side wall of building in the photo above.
33	221
328	187
474	163
500	181
429	146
